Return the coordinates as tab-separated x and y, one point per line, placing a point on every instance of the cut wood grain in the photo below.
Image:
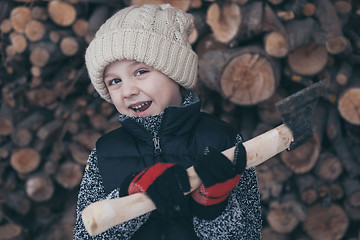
326	223
335	41
245	76
19	16
224	20
309	59
39	188
62	13
10	231
285	214
69	175
25	160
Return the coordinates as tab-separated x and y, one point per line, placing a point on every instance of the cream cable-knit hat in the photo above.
156	35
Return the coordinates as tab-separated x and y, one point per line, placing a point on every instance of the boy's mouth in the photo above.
140	107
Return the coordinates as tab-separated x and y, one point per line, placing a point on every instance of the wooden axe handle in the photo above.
102	215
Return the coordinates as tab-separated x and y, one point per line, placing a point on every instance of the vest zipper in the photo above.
157	149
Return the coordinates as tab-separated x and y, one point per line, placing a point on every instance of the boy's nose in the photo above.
129	89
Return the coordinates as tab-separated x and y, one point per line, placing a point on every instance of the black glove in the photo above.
219	176
165	184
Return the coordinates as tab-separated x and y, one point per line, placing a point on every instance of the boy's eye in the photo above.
114	81
141	72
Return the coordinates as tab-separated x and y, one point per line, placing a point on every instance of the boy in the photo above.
141	61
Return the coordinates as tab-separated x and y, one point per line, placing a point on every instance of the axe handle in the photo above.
102	215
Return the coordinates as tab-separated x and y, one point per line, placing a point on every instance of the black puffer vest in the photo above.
183	135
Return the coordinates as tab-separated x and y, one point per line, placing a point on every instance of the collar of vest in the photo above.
177	120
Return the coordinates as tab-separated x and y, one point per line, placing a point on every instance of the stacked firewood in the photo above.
252	54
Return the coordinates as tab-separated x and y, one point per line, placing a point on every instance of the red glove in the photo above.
219	176
164	183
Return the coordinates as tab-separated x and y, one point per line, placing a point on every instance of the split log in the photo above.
33	121
352	191
69	175
307	186
97	18
295	34
335	134
18	42
11	231
79	153
41	96
271	177
62	13
232	23
328	167
18	202
245	76
6	126
267	110
39	13
349	103
336	191
200	28
329	193
309	9
6	26
34	30
19	16
285	214
352	212
44	53
21	137
224	20
87	138
39	187
344	73
342	7
334	39
98	122
326	223
69	46
80	27
251	22
291	9
304	158
5	151
309	59
25	160
267	233
49	131
208	43
275	2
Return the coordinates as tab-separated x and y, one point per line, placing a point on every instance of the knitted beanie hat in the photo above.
156	35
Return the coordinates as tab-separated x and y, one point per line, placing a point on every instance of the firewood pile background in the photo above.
252	54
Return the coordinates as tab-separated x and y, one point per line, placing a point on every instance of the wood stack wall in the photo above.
252	54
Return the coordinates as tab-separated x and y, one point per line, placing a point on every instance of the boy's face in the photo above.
137	89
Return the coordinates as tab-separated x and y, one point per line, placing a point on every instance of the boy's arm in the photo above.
92	190
243	209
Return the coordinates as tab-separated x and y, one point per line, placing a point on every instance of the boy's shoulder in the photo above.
213	125
113	136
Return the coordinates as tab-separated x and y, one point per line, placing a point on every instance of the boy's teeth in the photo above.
138	107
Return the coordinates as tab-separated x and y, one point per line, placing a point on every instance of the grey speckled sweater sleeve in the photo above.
92	190
241	219
242	216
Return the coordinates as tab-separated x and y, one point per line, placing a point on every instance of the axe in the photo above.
296	111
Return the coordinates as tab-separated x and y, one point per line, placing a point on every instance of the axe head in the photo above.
297	110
